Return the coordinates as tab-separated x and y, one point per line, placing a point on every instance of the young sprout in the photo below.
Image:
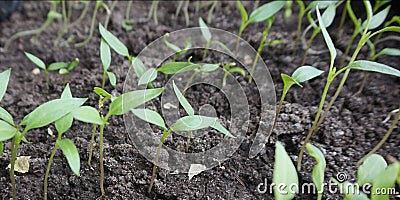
85	114
318	169
229	70
188	123
185	9
43	115
127	22
51	16
206	34
119	106
178	51
288	10
153	12
363	65
64	67
259	15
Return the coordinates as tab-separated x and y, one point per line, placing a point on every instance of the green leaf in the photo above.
138	66
193	122
71	153
113	41
350	191
237	70
384	181
54	15
398	177
66	94
209	67
63	71
371	167
182	100
366	65
377	19
329	15
305	73
7	131
266	11
112	78
64	123
218	126
130	100
57	66
1	148
318	169
102	92
320	4
87	114
170	45
6	116
243	12
148	76
289	81
204	30
328	40
284	174
4	79
51	111
150	116
36	60
72	65
387	51
177	67
105	54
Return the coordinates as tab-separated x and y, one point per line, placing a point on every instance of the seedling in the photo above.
188	123
363	65
153	12
318	169
51	16
178	51
44	115
119	106
85	114
64	68
185	9
127	22
206	34
288	10
229	69
259	15
376	172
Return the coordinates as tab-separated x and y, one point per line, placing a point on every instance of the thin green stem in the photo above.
65	22
14	147
104	79
310	41
92	143
206	50
241	29
387	135
46	176
299	22
114	3
346	52
342	20
190	80
189	135
101	159
92	24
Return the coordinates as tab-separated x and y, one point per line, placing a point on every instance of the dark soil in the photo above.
353	127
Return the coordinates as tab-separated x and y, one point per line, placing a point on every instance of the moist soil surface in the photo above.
353	127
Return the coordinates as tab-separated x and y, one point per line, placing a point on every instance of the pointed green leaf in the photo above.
148	77
350	191
289	81
182	100
318	169
105	54
87	114
36	60
329	15
57	66
171	46
266	11
209	67
328	40
150	116
177	67
72	65
138	66
64	123
243	12
305	73
366	65
377	19
387	51
51	111
371	167
237	70
384	181
63	71
112	78
130	100
66	94
102	92
6	131
204	30
113	41
193	122
6	116
71	153
218	126
4	79
284	174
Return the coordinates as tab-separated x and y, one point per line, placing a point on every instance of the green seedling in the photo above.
229	69
85	114
206	34
4	114
318	169
288	10
99	4
178	51
105	56
153	12
328	16
363	65
258	15
119	106
188	123
185	9
209	5
376	172
43	115
284	174
64	68
127	22
51	16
